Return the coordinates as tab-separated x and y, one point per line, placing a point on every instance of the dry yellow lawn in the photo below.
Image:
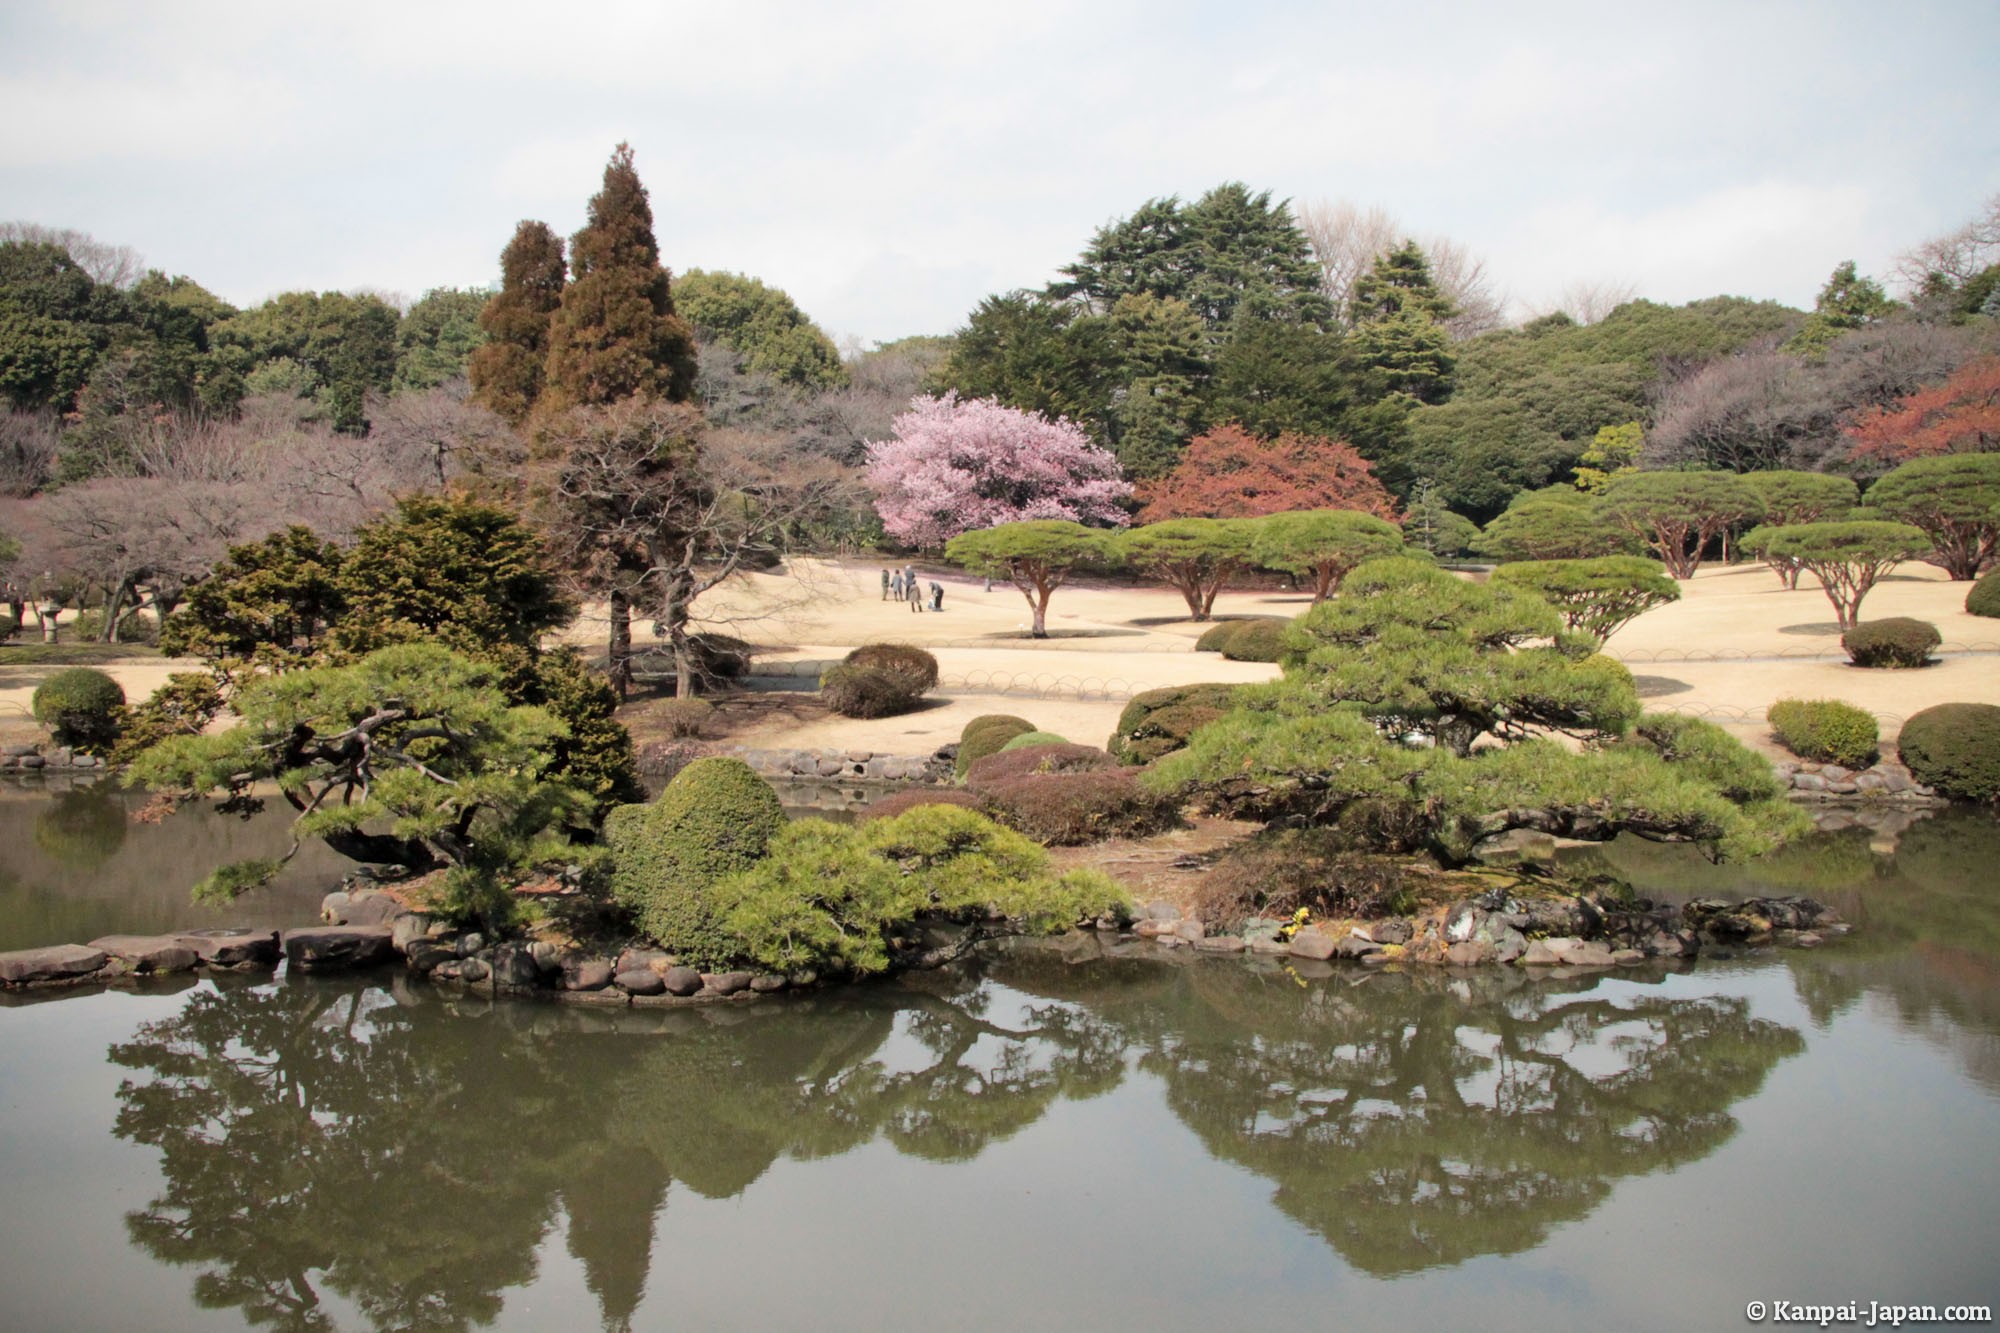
1735	643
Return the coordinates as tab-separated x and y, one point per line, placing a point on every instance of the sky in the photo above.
890	163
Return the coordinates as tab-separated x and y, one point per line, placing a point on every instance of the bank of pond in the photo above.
1093	1130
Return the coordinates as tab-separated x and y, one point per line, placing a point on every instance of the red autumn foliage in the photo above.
1959	416
1230	473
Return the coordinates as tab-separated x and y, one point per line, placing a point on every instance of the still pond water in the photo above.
1029	1142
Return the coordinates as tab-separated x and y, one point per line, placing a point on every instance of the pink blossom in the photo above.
958	466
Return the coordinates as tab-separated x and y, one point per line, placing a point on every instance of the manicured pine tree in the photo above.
615	334
506	372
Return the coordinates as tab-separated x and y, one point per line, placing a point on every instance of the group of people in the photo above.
902	585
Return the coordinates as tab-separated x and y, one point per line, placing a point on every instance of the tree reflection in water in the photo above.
411	1155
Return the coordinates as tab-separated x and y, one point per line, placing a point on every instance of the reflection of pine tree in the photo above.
612	1200
1412	1128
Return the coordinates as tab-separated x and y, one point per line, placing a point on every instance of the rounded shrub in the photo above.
721	655
1825	731
1071	808
1048	757
1954	749
918	665
1158	722
1028	738
1984	599
1215	636
985	735
82	707
865	691
715	818
1896	642
1256	641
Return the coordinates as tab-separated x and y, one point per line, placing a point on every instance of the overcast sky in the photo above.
890	163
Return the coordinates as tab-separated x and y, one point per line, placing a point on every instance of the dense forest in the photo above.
149	425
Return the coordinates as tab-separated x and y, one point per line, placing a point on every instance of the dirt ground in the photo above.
1733	644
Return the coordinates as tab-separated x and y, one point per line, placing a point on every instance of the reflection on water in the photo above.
316	1154
74	866
1412	1122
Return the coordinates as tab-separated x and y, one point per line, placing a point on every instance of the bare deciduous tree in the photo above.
1348	239
114	265
28	442
1956	256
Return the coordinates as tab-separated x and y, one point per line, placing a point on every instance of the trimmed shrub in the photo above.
863	691
1896	642
1955	750
1048	757
1825	731
1071	808
891	806
843	897
684	718
1158	722
985	735
82	707
1027	738
1983	600
1253	630
918	665
714	819
1256	641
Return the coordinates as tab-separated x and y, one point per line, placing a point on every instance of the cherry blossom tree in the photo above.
958	465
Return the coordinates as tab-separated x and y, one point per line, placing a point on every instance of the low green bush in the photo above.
1256	641
985	735
1158	722
865	691
714	819
843	898
1982	600
1072	808
82	707
1825	731
1898	641
1251	633
901	658
1954	749
1027	738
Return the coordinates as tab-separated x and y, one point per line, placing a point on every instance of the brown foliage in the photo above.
1068	809
1033	759
506	371
1273	875
1230	473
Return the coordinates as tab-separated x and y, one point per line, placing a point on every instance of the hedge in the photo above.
1955	750
1158	722
1825	731
82	707
1896	642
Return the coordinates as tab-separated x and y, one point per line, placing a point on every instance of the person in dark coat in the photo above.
937	596
885	585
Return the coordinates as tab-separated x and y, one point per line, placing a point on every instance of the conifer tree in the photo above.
506	372
615	334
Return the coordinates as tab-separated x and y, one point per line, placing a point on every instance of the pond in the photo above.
1034	1141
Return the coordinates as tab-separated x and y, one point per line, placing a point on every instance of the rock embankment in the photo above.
370	927
1572	932
1886	781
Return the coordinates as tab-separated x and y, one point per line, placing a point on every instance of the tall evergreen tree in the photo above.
507	371
1398	315
615	334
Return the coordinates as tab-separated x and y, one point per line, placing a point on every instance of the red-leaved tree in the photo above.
1959	416
1230	473
959	465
